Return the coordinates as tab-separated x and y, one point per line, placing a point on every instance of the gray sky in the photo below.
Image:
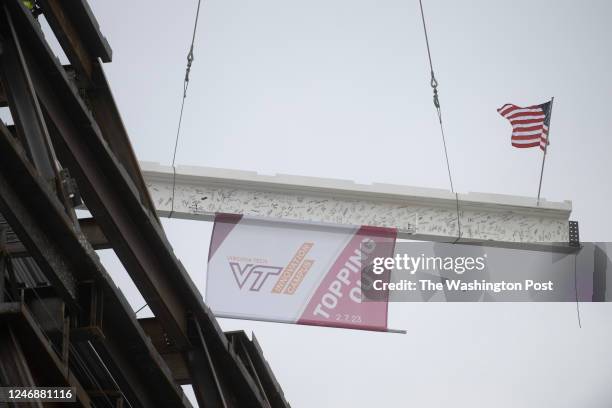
340	89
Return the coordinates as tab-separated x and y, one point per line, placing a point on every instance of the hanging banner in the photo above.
295	272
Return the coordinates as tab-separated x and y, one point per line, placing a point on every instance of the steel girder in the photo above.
78	33
88	227
22	342
134	232
64	255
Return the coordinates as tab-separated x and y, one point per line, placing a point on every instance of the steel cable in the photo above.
436	101
180	121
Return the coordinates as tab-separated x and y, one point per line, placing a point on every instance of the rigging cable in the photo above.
576	290
180	121
436	101
185	86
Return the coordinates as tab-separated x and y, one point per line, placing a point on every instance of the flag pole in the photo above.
545	148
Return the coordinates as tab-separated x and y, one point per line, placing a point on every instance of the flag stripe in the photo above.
524	112
516	110
526	116
528	137
526	141
526	127
521	146
525	121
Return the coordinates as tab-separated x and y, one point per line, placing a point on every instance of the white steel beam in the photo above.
418	213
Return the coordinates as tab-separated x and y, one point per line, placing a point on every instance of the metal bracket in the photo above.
70	188
574	234
91	299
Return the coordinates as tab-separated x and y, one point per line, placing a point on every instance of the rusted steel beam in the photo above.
248	350
169	352
22	193
66	258
23	103
77	32
137	237
88	227
103	183
66	33
4	260
3	100
126	368
107	116
252	352
17	325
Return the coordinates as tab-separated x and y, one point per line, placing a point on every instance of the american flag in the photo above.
529	125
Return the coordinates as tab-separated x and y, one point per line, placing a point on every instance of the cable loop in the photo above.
434	81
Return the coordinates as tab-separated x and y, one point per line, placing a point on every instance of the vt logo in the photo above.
256	274
287	282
